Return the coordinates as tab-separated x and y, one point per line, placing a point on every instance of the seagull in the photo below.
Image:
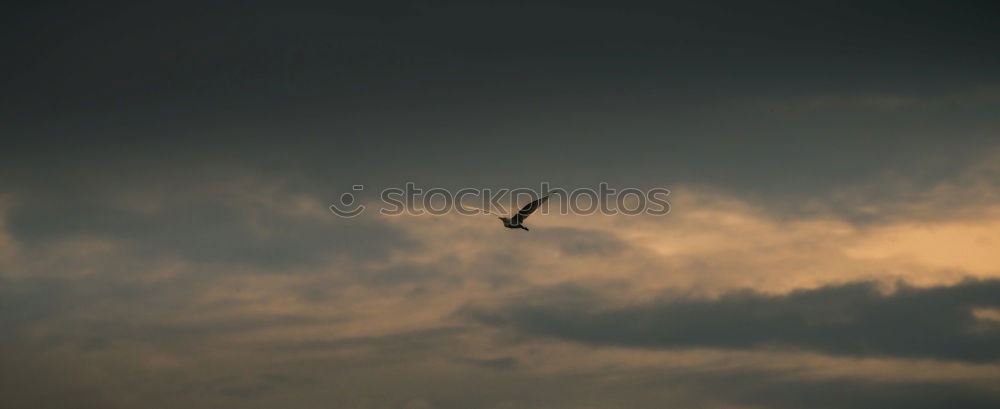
515	222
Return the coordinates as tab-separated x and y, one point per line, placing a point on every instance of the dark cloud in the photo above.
848	394
203	227
342	94
449	367
787	390
851	319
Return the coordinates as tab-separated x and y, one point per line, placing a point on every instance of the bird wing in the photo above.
527	210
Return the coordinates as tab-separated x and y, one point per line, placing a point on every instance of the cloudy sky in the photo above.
166	170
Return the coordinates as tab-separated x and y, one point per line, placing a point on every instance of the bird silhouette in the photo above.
517	220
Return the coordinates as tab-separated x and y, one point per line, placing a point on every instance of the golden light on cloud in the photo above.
970	247
356	311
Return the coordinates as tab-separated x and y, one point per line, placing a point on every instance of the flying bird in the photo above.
517	221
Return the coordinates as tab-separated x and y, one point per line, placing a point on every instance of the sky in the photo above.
833	238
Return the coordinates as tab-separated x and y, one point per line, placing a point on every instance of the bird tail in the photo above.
525	228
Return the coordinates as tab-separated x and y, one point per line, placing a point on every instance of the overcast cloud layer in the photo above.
833	238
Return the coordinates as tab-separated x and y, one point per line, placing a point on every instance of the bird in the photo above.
517	221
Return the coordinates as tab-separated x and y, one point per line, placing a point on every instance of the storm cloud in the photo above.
854	319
